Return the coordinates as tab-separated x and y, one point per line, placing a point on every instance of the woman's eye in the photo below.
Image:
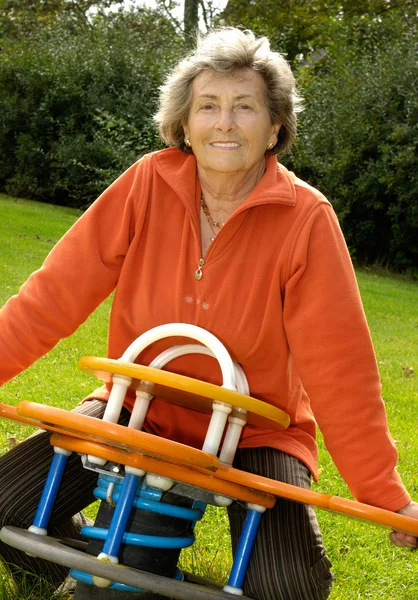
245	107
206	107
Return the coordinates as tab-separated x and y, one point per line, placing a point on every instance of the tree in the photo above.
191	20
195	14
23	18
358	138
76	105
299	28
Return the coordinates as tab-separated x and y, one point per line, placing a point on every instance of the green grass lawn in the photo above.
365	564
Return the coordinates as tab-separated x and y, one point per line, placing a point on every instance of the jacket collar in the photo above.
179	171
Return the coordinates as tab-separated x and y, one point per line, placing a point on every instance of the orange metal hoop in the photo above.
119	436
185	391
206	481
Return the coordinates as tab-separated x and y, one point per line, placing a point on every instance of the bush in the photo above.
358	140
76	106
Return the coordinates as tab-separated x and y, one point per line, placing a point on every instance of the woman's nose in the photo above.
225	121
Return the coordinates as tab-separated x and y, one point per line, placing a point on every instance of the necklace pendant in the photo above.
199	273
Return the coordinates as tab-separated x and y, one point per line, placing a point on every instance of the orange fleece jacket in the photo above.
278	289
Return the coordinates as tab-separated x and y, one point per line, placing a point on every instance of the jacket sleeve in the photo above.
331	345
79	273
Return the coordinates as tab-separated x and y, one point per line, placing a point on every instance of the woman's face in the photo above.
229	124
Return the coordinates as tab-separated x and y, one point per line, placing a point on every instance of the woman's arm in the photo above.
78	274
332	349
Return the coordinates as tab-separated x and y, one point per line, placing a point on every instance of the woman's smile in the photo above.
225	145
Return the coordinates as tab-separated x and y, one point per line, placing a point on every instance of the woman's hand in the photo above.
402	539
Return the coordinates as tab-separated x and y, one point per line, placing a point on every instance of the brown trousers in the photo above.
288	560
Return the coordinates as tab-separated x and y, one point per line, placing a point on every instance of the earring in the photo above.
271	145
187	142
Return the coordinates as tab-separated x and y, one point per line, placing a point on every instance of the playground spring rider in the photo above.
153	490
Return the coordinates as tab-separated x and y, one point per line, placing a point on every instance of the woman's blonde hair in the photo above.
226	50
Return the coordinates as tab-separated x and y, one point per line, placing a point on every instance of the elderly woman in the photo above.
213	231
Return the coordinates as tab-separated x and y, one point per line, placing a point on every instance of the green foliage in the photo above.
28	587
300	29
77	109
292	26
359	136
211	554
24	18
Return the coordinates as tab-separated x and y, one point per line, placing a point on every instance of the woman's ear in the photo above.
276	129
274	136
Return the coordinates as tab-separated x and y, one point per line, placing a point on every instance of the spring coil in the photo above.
148	499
